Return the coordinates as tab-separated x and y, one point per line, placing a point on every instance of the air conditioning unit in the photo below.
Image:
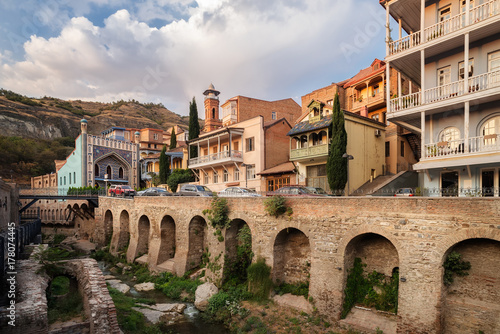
377	133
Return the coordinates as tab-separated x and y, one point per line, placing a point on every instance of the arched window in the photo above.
451	135
108	171
303	141
120	173
213	113
315	139
490	130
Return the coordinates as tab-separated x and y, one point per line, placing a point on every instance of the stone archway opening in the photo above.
124	234
471	303
167	245
143	237
108	226
198	242
238	253
371	274
292	257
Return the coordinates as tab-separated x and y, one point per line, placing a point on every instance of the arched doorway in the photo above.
108	226
197	242
292	257
143	238
471	303
371	275
124	236
239	254
167	245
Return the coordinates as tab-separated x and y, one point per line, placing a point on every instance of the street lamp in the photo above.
348	157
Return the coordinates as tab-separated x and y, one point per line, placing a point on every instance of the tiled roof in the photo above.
365	73
286	167
302	127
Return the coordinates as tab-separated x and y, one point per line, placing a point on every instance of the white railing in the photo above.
484	11
216	156
444	27
486	143
405	102
484	81
404	43
445	148
444	92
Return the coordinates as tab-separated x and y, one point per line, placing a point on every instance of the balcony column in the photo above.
367	94
466	63
387	28
400	91
422	131
400	29
230	141
422	76
218	147
467	13
466	126
422	19
388	87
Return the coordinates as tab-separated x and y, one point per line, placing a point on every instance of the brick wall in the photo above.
414	234
249	108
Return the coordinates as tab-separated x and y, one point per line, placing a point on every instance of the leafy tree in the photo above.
194	126
179	176
173	139
336	166
164	166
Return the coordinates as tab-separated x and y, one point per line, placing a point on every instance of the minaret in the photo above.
83	125
212	120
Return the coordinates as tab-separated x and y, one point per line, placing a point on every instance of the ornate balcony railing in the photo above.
311	151
480	144
211	158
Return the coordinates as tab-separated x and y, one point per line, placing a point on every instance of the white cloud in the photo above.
259	48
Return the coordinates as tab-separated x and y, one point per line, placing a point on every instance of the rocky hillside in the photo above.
49	118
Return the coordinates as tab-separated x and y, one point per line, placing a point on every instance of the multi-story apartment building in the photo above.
250	138
452	52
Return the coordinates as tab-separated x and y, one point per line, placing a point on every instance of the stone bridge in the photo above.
320	241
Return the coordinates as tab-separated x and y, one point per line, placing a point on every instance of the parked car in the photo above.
318	190
154	191
194	190
117	190
238	192
404	192
295	191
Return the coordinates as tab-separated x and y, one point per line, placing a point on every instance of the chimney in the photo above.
364	111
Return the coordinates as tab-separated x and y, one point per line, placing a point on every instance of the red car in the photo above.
121	191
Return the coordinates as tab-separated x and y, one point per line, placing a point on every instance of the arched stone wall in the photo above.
144	227
108	225
167	236
292	256
197	241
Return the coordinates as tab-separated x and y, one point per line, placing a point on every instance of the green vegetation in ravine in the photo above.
454	266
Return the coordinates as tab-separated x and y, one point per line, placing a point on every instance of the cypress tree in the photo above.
173	139
336	166
164	166
194	126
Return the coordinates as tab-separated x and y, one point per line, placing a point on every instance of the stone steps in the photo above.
168	266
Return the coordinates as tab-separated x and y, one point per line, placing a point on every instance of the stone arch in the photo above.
124	234
378	254
143	228
292	256
472	303
197	241
238	249
167	243
108	225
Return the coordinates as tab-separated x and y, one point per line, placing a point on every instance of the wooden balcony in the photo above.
309	152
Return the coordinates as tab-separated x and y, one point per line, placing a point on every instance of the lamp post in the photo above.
348	157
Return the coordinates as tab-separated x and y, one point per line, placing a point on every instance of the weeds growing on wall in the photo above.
259	279
297	289
371	290
218	215
276	206
454	265
235	270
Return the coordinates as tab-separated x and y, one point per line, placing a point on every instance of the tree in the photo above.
194	127
179	176
173	139
164	166
336	166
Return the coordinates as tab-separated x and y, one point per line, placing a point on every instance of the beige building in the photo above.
248	140
310	144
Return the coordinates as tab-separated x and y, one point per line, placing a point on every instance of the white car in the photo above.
238	192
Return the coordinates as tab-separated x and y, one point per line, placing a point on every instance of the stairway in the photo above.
414	141
370	187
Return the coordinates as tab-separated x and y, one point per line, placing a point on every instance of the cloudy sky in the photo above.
170	50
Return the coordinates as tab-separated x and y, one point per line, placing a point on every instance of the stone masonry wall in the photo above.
421	231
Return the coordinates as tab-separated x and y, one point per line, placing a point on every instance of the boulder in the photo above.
153	316
296	302
203	294
170	318
144	286
108	277
118	285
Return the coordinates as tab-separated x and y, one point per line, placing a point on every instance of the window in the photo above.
235	145
461	72
444	79
205	178
444	15
120	173
376	117
69	176
65	180
277	183
387	149
108	171
250	144
236	174
330	102
155	136
402	148
216	177
450	136
494	61
74	177
250	172
490	130
376	90
96	170
273	115
225	176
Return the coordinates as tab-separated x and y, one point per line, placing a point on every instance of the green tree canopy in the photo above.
336	166
173	139
194	126
164	166
179	176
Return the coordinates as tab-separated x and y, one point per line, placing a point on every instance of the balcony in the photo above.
478	83
456	148
444	28
216	159
309	152
369	101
